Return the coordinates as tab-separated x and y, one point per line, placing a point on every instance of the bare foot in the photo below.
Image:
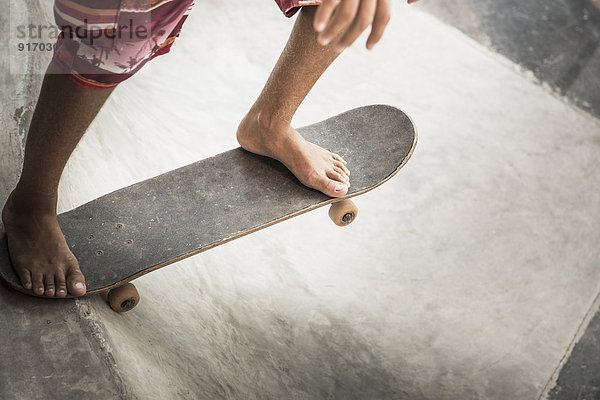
314	166
38	250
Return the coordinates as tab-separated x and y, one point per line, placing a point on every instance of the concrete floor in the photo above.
470	275
579	378
558	41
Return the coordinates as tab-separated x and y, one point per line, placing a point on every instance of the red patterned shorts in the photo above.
289	7
104	42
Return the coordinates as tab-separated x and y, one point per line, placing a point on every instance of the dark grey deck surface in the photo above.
124	233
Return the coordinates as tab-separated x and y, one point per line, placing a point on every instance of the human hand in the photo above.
347	19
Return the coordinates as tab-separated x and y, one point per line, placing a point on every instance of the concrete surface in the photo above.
579	377
49	350
558	41
468	276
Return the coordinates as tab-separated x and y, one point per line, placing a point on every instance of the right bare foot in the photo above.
314	166
37	247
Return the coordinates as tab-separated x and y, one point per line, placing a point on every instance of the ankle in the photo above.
29	200
268	119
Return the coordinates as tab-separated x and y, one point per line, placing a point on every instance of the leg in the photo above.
37	246
64	111
266	128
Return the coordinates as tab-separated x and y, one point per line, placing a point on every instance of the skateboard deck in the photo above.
138	229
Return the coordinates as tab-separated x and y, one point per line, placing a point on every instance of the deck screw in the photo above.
90	237
119	226
99	252
128	241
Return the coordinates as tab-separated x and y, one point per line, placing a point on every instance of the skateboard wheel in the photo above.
343	212
123	298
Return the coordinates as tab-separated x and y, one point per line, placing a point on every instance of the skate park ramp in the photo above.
472	274
556	41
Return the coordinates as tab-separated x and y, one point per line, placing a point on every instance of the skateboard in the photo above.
151	224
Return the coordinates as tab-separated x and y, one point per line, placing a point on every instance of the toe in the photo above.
338	158
343	167
335	188
338	176
342	174
75	282
49	285
61	285
38	283
25	276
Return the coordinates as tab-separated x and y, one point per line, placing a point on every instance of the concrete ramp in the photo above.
49	349
469	275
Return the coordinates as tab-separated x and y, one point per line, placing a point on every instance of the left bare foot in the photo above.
314	166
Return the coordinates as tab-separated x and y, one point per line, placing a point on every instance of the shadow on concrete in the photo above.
557	40
579	377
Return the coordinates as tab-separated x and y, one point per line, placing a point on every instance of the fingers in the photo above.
341	20
380	21
323	14
363	20
349	18
352	17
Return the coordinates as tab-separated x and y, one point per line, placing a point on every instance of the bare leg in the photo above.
266	128
37	246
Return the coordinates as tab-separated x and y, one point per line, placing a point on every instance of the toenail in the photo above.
339	188
79	285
